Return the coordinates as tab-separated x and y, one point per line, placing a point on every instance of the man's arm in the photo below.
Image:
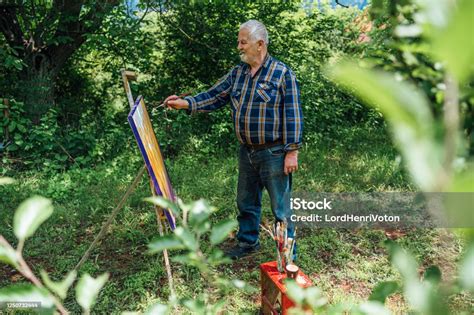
214	98
292	122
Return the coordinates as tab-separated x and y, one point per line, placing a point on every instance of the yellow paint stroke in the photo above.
150	144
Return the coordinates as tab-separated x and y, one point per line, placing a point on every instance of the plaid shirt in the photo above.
265	108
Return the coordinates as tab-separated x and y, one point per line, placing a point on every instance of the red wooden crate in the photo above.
274	298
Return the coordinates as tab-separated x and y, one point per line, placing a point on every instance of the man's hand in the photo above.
175	102
291	162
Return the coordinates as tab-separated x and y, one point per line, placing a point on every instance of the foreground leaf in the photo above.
88	289
453	44
466	270
158	309
60	288
295	292
164	242
432	274
407	111
187	238
199	213
220	232
382	290
6	181
29	216
8	256
373	308
164	204
415	292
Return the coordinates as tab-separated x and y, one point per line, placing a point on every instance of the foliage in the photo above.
408	38
429	158
28	217
43	35
425	296
54	147
194	225
192	30
172	47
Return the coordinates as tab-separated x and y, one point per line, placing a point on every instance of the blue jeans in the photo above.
257	170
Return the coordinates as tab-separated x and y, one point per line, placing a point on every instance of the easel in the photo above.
126	76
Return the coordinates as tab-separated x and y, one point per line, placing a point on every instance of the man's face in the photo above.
248	49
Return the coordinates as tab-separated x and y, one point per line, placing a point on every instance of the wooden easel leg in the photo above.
106	224
158	212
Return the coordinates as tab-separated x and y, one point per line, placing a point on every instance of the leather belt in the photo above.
257	147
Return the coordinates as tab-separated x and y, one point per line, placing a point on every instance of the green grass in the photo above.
345	264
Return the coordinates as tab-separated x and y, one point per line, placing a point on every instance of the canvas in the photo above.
143	130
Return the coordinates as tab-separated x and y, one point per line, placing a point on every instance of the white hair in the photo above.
257	31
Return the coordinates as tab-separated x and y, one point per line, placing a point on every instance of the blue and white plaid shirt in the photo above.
265	108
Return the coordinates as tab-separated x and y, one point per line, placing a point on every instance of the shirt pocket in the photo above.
267	91
235	98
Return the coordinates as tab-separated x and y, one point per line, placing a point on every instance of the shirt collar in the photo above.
265	64
267	61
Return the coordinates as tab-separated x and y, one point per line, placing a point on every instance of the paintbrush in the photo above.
272	235
278	247
292	248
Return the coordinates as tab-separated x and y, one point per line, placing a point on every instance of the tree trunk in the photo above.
36	86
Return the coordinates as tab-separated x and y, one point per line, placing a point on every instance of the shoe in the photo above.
237	251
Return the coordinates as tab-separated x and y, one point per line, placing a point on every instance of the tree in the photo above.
44	35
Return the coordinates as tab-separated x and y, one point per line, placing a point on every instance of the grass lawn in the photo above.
345	264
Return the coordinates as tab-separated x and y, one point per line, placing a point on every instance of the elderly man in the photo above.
268	121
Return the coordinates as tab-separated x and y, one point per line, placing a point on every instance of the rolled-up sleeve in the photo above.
214	98
292	113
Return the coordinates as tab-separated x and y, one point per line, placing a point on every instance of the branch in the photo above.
25	270
10	27
76	28
342	5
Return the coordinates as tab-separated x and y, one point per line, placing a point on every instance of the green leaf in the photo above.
12	147
165	242
373	308
403	261
314	297
220	232
163	203
88	289
187	238
415	292
8	256
6	181
60	288
466	270
199	212
407	112
29	216
382	290
27	293
453	44
158	309
197	306
12	126
432	274
295	292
